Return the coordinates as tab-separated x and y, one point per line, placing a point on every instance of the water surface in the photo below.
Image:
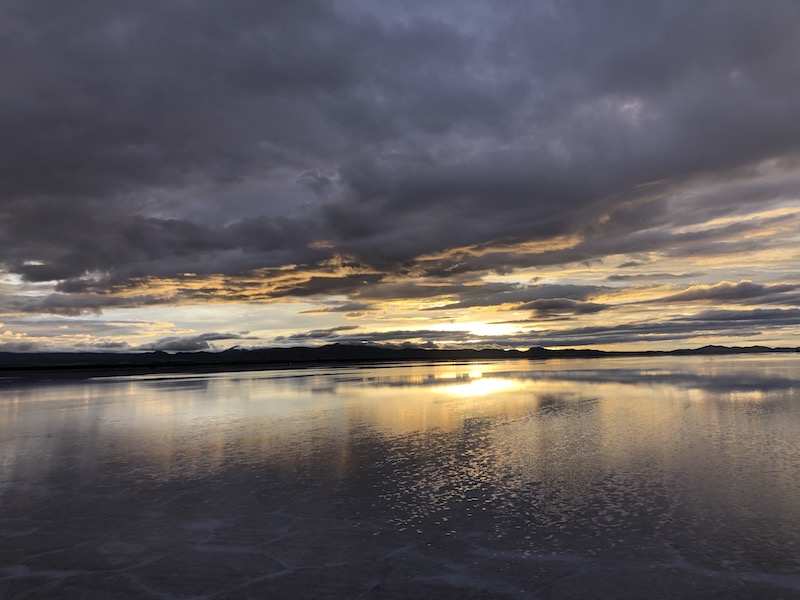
602	478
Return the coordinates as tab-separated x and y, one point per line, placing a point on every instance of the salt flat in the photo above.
604	478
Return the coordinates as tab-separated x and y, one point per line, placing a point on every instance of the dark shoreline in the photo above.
64	365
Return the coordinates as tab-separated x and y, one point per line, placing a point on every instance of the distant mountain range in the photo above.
78	364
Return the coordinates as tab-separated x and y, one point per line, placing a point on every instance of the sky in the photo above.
199	175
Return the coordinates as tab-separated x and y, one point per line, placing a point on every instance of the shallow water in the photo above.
603	478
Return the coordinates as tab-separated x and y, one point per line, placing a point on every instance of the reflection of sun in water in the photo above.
480	387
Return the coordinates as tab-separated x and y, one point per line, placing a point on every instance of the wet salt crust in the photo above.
618	478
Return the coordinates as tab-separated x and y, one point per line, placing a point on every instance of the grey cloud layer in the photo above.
204	341
350	153
726	291
152	138
729	323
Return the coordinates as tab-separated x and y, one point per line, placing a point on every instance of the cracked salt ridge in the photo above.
789	582
452	574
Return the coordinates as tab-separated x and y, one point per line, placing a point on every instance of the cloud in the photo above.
72	304
347	307
728	323
726	291
372	153
22	346
191	343
107	346
125	123
562	306
314	335
415	337
522	296
653	276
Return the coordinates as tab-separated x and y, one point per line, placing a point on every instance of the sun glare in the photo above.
481	329
481	387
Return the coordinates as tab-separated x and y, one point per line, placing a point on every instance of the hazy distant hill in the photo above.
82	363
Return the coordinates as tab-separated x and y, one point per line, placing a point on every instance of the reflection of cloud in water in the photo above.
735	375
190	425
585	458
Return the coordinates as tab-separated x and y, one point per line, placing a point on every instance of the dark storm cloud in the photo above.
410	289
149	139
192	343
104	106
631	263
462	295
726	291
625	95
653	276
533	297
314	285
107	346
57	325
71	304
32	332
396	337
610	239
347	307
730	323
559	307
316	334
22	346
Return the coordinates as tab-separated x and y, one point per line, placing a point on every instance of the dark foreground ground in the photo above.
254	536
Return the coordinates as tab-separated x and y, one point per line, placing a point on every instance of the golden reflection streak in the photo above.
482	387
200	424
